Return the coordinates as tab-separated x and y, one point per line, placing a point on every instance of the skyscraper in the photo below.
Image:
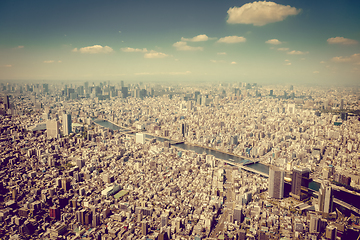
144	228
7	102
276	183
325	198
66	124
300	183
52	129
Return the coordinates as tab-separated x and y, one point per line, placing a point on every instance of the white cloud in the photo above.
287	60
217	61
288	63
198	38
273	41
322	62
341	40
182	46
297	52
231	39
59	61
94	49
283	49
163	73
129	49
155	54
260	13
233	63
19	47
8	66
49	61
221	53
353	58
316	72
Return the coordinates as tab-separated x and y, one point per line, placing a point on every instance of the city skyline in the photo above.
265	42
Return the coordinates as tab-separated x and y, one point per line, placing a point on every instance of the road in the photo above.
228	203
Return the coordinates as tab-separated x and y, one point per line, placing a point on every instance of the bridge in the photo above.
244	167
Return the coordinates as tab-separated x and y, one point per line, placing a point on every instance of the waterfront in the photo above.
314	186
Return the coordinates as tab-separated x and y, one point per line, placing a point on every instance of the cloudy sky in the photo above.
267	42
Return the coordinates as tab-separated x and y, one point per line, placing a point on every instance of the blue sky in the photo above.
247	41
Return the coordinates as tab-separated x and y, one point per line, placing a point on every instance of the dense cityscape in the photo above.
184	120
103	160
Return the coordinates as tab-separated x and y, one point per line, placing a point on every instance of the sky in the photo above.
270	42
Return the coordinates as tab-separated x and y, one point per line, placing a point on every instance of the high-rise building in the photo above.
330	232
325	198
238	215
52	129
300	183
164	220
342	104
140	138
7	102
314	224
183	129
276	183
66	124
144	228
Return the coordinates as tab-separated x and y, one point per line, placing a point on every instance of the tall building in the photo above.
342	104
164	220
140	138
276	183
7	102
144	228
300	183
52	129
183	129
238	215
314	224
66	124
325	198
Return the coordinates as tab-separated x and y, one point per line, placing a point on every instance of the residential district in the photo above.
150	161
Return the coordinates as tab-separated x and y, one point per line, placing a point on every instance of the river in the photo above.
339	194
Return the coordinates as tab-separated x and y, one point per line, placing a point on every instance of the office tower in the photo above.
96	219
233	140
300	183
330	232
124	91
291	108
342	104
238	215
343	116
52	129
122	84
54	212
325	198
65	184
66	124
7	102
164	220
140	138
45	87
271	93
183	129
314	224
144	228
80	163
276	183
